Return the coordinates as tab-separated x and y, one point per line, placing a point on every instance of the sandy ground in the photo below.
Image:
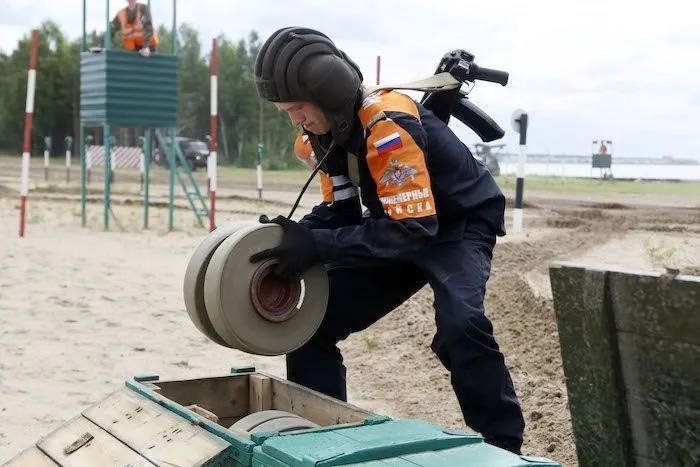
82	309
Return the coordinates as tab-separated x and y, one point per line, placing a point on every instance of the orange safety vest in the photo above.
133	34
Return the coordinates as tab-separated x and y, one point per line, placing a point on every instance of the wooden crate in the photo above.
630	343
182	422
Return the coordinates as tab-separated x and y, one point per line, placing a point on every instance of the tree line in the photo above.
57	98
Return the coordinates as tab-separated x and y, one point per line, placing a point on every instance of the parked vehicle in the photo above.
196	152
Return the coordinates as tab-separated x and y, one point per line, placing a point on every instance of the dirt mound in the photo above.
594	220
592	214
510	203
691	271
526	329
608	206
564	222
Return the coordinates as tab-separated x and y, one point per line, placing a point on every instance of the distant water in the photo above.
665	172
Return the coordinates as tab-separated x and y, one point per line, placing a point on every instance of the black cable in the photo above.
313	174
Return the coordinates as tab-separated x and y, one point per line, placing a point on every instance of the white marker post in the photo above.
47	155
261	151
69	142
519	122
88	156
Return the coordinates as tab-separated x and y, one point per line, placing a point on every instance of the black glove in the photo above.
295	254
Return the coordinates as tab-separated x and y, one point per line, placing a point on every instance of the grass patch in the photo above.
658	253
370	340
578	185
236	174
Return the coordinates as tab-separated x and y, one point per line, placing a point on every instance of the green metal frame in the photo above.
172	151
186	179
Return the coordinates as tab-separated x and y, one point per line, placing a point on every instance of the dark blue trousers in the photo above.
457	271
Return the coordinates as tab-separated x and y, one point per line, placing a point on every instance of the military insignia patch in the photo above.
397	174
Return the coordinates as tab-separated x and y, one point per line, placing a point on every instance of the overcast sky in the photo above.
615	69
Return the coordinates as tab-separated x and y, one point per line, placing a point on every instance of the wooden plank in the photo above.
152	386
657	322
640	461
155	432
665	432
81	443
656	368
203	412
590	359
630	348
224	396
260	393
314	406
650	305
31	457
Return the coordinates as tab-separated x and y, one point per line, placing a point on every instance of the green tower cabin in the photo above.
121	88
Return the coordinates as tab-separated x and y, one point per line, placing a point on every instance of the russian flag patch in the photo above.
388	143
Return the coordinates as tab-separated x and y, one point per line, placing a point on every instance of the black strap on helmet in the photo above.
298	64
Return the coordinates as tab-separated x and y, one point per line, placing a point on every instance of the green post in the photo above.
171	157
108	171
108	162
83	174
69	144
146	148
149	155
173	134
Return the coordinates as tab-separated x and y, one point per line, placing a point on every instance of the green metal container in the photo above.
384	442
124	89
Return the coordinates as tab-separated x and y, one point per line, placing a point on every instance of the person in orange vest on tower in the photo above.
135	23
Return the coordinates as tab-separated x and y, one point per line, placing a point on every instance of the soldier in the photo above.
433	215
136	25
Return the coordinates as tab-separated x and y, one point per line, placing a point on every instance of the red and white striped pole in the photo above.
29	111
211	160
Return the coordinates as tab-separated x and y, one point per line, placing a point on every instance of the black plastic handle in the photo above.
479	121
489	74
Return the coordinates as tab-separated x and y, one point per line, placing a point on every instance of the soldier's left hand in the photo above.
296	253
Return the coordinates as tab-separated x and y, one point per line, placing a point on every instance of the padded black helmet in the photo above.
302	64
